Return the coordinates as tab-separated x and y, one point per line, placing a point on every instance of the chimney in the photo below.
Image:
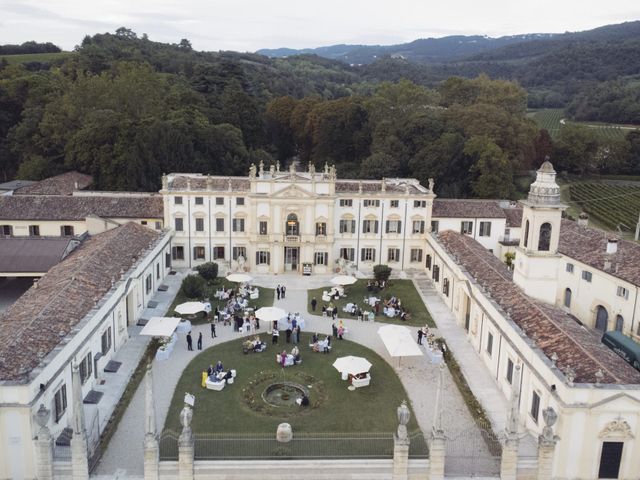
612	246
583	219
75	185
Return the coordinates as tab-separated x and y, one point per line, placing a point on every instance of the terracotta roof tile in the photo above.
443	208
36	207
219	184
589	246
514	216
40	320
552	329
64	184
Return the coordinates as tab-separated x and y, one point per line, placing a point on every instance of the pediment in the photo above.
617	402
293	192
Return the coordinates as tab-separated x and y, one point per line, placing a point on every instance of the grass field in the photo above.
367	409
610	205
550	119
402	289
35	57
264	300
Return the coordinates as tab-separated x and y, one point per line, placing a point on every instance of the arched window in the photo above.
292	227
544	240
619	323
567	298
526	233
602	318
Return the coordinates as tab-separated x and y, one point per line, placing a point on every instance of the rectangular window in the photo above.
34	230
219	200
569	268
428	262
321	229
179	224
623	292
489	343
143	222
435	225
199	224
419	203
66	230
393	226
395	203
148	284
348	254
238	224
321	258
198	253
219	224
263	228
535	406
60	402
509	371
239	200
106	341
177	253
466	228
157	271
393	255
485	229
199	201
7	230
418	226
237	251
86	368
218	253
416	255
368	255
262	257
586	276
177	200
347	226
371	203
370	226
346	202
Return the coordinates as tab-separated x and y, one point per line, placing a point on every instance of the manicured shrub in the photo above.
208	271
382	272
193	286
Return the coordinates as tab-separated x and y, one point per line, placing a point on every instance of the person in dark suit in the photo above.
200	341
213	329
278	292
283	290
314	302
189	341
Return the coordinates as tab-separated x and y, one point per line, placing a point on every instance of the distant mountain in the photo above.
425	50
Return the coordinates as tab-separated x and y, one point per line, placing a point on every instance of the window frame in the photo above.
394	203
368	254
466	227
199	252
240	202
420	227
321	229
199	224
569	268
346	202
263	257
179	220
534	411
484	229
393	254
237	225
219	222
509	373
237	251
106	341
322	256
215	251
177	200
34	230
350	254
60	402
587	276
199	200
418	255
219	200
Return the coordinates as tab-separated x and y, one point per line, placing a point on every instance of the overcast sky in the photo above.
247	25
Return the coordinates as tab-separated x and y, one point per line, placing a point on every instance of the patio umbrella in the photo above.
352	365
399	342
190	308
344	280
269	314
160	327
239	278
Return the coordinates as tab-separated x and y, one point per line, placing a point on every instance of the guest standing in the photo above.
420	334
189	341
274	336
314	302
278	291
200	341
283	290
213	329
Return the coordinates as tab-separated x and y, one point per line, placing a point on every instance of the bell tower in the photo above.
537	258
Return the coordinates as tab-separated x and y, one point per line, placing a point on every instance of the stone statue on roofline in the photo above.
252	171
312	168
431	184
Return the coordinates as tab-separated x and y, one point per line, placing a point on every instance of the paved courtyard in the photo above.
124	453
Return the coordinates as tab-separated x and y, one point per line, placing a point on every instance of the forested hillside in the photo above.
126	109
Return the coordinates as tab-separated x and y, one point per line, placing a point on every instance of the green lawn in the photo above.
403	289
265	300
367	409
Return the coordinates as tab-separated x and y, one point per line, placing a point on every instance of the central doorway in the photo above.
291	258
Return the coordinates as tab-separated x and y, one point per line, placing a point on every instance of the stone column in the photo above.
43	446
547	445
509	460
437	439
401	445
151	446
185	446
79	450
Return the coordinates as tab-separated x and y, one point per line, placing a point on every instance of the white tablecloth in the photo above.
184	327
165	353
435	356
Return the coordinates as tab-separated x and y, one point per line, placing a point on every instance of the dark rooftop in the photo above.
443	208
35	324
552	329
64	184
514	216
33	254
41	207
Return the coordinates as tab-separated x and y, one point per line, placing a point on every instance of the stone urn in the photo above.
284	434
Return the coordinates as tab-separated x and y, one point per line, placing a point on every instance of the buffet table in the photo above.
164	352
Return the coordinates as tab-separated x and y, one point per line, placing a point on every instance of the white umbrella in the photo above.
270	314
352	365
239	278
190	308
344	280
160	326
399	342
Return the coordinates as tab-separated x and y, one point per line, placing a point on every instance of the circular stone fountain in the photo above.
283	394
